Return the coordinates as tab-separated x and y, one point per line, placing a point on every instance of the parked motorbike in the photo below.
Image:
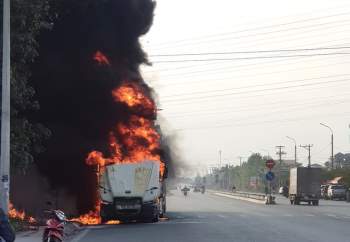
54	230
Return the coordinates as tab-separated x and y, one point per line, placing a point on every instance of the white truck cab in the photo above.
132	191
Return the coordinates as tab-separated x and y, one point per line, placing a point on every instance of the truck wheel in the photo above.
315	203
296	202
162	208
291	202
155	219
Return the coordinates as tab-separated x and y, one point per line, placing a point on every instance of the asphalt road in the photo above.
208	217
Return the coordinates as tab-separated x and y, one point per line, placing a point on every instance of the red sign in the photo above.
270	164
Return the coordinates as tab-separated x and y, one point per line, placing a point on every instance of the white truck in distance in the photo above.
132	191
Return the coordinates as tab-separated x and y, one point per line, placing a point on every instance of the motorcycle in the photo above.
54	230
185	190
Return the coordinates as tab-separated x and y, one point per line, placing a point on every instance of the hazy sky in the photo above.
245	103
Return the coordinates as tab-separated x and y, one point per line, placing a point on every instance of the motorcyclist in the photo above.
6	231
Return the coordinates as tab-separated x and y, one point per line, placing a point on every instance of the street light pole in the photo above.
5	110
332	144
295	149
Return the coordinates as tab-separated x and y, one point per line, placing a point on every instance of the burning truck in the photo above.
131	175
105	141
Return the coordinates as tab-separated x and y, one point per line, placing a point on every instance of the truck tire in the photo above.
315	203
162	208
155	218
296	202
291	202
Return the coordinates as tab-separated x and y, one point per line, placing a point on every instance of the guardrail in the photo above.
269	199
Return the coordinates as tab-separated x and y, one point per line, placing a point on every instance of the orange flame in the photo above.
101	58
131	142
20	215
113	222
91	218
132	95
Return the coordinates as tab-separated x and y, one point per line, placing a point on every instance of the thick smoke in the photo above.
74	91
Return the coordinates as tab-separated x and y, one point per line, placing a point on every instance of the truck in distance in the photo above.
304	185
132	191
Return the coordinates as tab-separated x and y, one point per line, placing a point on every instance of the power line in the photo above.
262	122
231	111
256	85
201	81
211	64
254	91
256	28
252	52
297	108
249	107
251	58
180	104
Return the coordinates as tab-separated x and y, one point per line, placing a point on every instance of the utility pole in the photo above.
295	149
240	161
220	158
5	110
332	143
280	152
308	148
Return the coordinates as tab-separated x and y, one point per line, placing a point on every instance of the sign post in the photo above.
5	109
270	176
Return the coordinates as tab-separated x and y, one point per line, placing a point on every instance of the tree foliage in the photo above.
28	18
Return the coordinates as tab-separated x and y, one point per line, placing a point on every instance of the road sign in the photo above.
270	176
270	164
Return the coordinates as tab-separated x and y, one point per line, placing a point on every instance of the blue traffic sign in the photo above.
270	176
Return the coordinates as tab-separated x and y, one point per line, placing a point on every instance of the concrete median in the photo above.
259	198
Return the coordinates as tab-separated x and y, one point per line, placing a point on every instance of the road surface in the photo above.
208	217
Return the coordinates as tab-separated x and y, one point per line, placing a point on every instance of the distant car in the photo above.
197	188
283	190
336	192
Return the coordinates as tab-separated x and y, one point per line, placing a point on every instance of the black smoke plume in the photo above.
74	91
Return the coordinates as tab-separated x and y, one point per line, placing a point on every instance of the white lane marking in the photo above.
243	215
261	214
331	215
221	216
80	236
309	215
200	216
288	215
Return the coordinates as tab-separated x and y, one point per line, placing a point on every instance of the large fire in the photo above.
20	215
131	141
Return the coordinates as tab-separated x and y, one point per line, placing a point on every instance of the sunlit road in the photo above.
208	217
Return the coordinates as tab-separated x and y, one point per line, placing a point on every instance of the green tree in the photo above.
28	18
